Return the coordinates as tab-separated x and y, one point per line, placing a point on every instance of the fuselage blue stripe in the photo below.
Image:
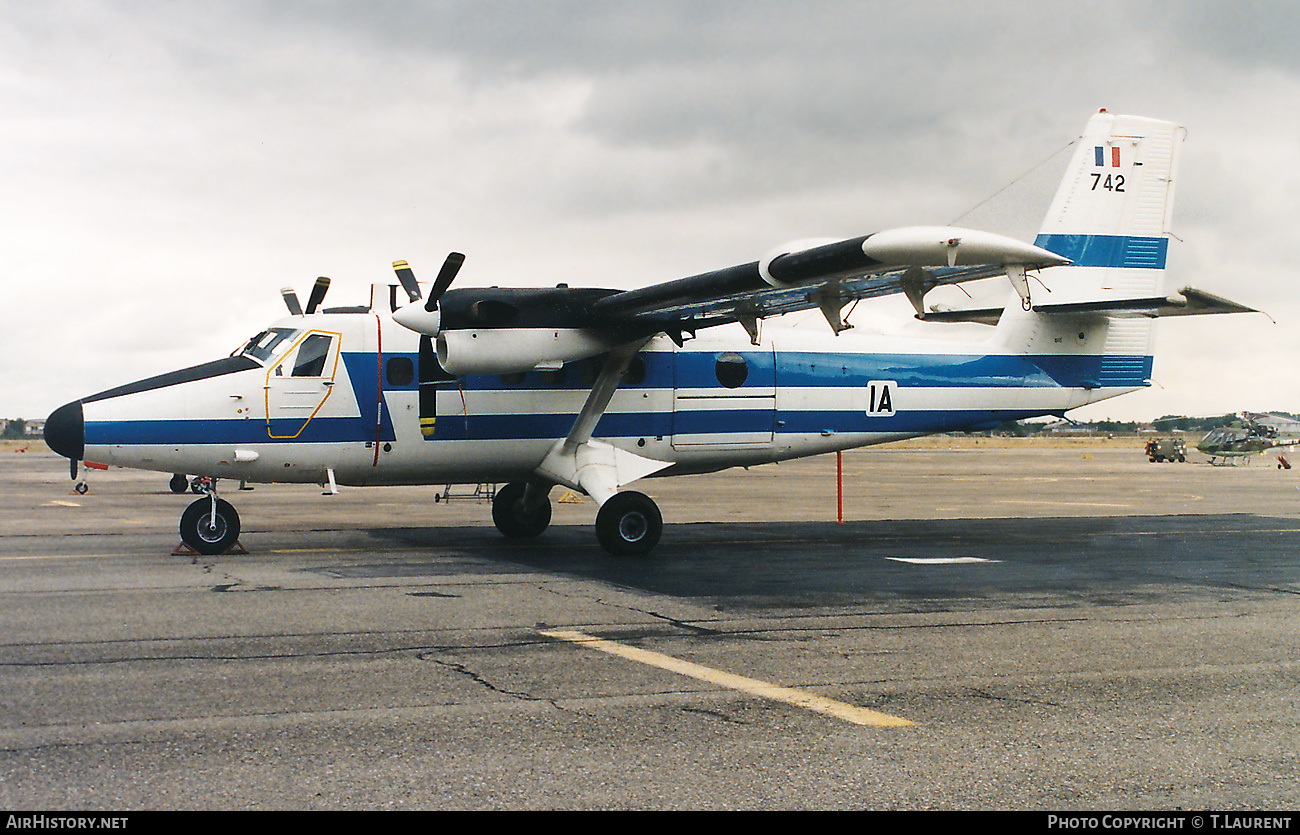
1136	252
541	426
695	370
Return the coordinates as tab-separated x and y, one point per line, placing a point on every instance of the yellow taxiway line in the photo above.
799	698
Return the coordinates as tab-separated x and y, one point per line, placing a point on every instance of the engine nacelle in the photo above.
908	246
788	249
512	350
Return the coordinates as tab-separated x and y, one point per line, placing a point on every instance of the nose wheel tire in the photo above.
629	524
514	518
210	533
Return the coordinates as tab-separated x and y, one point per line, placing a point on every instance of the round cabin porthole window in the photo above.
635	373
731	370
400	372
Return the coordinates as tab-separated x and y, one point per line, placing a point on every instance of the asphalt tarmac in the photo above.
991	628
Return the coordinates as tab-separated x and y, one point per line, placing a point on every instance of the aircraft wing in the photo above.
1189	302
911	260
806	274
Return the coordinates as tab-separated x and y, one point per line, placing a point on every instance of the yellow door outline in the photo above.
327	383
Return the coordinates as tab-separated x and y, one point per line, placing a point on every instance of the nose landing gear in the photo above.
210	525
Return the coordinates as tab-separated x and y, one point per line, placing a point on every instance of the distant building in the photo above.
1065	427
34	428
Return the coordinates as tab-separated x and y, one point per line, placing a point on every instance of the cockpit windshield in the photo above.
263	346
1224	436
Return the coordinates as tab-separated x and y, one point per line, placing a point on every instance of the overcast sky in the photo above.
169	166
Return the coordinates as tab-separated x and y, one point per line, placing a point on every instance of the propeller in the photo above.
445	276
407	278
317	296
426	320
291	301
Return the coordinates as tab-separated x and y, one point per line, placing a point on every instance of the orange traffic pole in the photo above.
839	486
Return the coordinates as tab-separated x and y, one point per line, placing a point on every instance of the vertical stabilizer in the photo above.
1112	212
1110	217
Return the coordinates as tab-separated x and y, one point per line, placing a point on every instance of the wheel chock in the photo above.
183	550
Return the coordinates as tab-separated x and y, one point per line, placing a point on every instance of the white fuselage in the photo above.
355	394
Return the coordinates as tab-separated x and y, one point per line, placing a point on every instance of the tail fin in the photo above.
1112	211
1110	218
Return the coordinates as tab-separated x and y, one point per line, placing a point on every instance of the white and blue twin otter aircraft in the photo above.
593	389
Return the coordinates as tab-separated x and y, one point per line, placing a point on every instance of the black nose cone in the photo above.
65	431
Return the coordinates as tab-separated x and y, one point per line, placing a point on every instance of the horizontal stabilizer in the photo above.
1191	302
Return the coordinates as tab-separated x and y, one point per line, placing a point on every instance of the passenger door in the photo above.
724	399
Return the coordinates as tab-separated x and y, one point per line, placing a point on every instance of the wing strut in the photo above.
581	462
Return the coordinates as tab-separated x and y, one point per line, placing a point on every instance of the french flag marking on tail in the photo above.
1100	152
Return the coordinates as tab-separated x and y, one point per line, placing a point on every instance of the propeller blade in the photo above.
291	301
407	277
445	276
317	294
72	468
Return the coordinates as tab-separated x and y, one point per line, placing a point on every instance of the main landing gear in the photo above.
521	511
627	524
210	525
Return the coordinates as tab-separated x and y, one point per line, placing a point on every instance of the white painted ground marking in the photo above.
799	698
940	560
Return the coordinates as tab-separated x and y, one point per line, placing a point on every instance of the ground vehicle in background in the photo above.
1166	449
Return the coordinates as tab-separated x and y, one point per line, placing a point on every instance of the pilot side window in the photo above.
312	355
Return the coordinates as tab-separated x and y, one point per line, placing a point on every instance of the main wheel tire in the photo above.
179	483
207	533
629	524
513	518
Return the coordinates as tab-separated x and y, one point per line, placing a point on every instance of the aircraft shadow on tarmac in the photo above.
1047	561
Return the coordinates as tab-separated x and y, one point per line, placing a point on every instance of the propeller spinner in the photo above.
425	319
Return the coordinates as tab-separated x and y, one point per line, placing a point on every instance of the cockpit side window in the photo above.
311	356
263	346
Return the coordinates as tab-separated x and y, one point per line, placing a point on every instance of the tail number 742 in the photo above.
1112	182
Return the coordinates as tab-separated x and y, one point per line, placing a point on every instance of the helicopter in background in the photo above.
1257	433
